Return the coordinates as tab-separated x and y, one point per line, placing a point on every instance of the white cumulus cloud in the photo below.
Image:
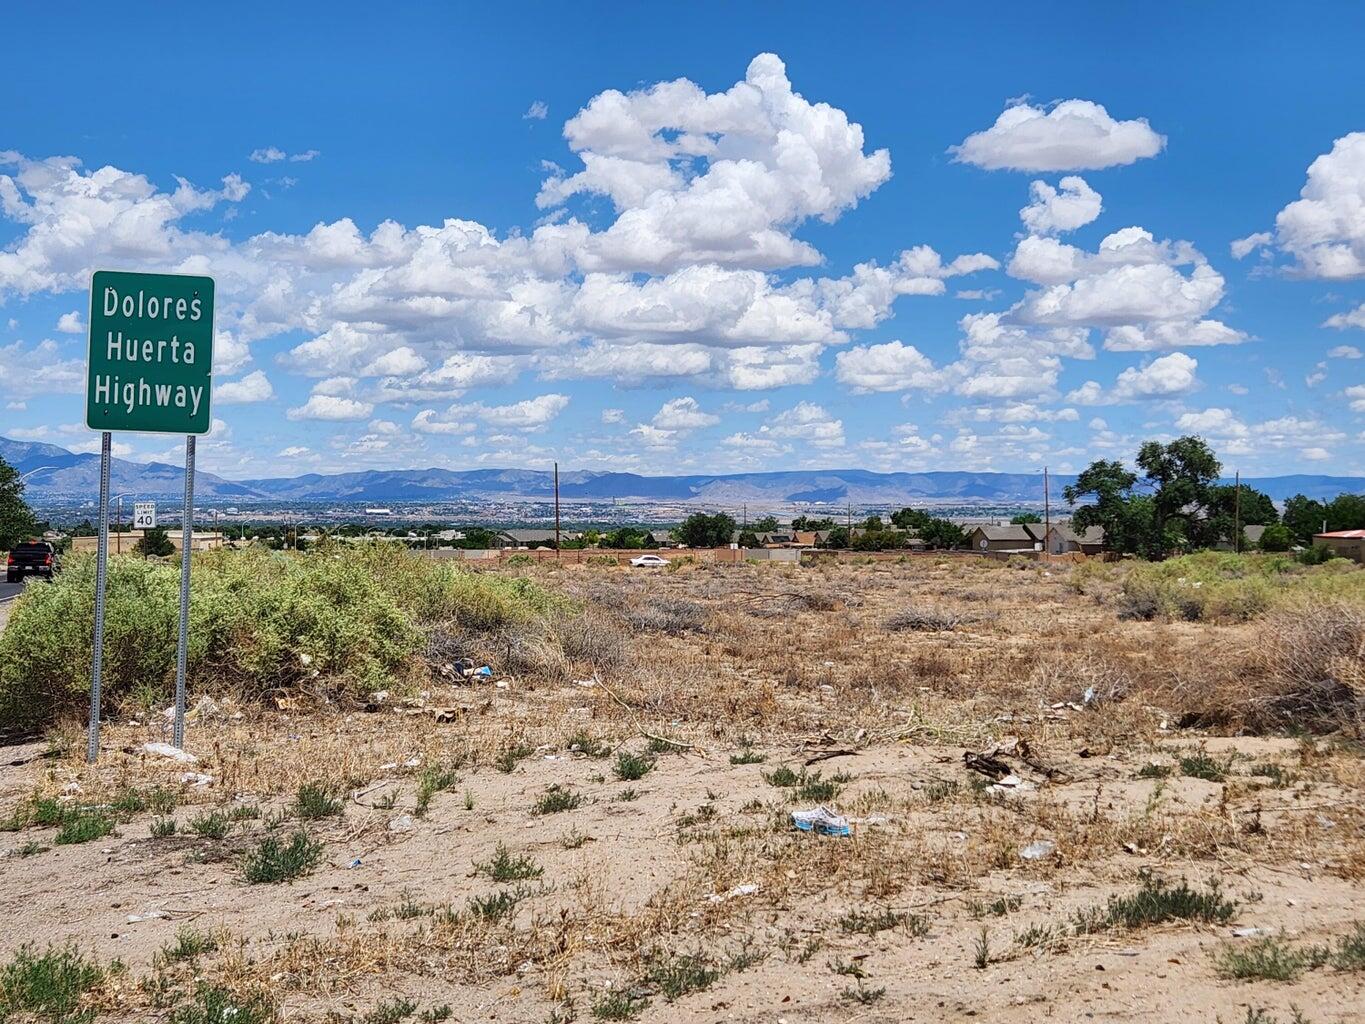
1074	135
808	424
254	387
1071	205
683	414
327	407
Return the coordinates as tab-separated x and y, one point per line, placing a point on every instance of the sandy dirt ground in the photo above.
685	894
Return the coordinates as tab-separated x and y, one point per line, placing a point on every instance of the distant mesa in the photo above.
76	475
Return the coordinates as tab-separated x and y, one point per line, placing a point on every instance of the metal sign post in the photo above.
92	746
186	544
149	369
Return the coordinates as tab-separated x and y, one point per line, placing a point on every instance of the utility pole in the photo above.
1237	516
1047	512
118	538
556	511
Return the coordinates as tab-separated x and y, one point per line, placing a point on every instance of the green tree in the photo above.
748	539
1304	517
1026	517
700	530
765	525
1180	474
17	522
942	534
155	543
1277	538
911	519
933	531
477	538
1346	512
1110	485
807	523
837	538
626	537
1223	513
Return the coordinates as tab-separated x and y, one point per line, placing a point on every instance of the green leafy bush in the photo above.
259	620
48	985
1215	586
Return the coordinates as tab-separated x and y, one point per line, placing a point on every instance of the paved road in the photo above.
9	590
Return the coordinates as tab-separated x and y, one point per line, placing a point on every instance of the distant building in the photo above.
1251	538
1016	537
1344	543
532	538
126	542
379	511
1062	539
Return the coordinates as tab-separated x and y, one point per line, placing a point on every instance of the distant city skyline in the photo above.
713	240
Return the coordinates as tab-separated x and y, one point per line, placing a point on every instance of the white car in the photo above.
648	562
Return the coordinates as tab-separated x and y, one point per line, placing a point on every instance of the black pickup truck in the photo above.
36	557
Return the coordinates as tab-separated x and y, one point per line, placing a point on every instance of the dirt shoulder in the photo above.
519	849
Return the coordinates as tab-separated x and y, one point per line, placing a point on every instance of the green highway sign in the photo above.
150	367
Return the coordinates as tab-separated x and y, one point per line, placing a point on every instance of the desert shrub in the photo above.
273	861
591	636
1213	586
48	985
922	619
1156	902
1310	668
259	620
667	615
1315	555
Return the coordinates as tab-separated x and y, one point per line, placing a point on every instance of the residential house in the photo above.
1344	543
1062	539
1251	538
1015	537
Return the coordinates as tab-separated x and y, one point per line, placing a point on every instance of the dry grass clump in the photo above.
923	619
1301	667
667	615
1313	663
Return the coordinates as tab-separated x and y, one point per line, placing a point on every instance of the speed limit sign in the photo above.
144	515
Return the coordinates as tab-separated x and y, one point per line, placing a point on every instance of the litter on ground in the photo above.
822	821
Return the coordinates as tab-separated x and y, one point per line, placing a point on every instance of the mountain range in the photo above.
54	473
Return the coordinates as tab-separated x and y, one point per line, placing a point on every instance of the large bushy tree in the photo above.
700	530
1169	512
1110	485
1304	516
1180	475
933	531
17	522
1226	510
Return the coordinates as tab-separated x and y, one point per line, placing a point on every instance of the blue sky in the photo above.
712	238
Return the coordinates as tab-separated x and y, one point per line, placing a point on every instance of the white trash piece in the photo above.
167	750
746	889
1038	850
822	821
